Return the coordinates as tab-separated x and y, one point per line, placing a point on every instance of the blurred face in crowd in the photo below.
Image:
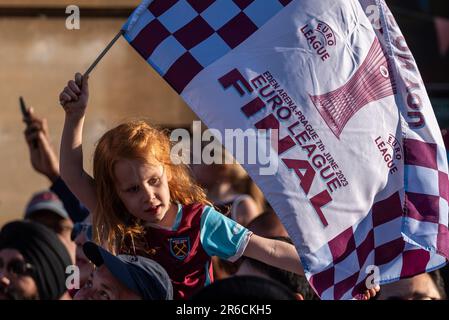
144	190
16	282
82	233
420	287
102	285
62	227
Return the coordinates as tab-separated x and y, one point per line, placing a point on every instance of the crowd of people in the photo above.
143	228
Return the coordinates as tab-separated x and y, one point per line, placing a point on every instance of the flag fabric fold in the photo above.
362	182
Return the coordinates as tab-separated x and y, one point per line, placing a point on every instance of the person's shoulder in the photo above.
192	213
194	207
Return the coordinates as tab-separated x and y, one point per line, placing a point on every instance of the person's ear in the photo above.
299	296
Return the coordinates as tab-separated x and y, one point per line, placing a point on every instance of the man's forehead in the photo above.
415	287
107	280
103	273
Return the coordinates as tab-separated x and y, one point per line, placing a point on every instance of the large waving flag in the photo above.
362	183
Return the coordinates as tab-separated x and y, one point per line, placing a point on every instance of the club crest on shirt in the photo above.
180	247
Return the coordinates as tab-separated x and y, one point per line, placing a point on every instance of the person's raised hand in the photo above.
75	95
42	155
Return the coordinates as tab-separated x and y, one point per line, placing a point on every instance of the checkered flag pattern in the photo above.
375	241
179	38
426	208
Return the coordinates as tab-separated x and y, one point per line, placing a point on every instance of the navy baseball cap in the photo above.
141	275
46	200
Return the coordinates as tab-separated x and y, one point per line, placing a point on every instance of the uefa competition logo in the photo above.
390	150
371	82
320	37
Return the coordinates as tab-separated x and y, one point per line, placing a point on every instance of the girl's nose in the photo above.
149	193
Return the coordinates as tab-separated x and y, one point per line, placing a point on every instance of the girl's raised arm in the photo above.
276	253
74	99
283	256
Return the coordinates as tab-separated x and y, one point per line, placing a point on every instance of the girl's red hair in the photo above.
113	224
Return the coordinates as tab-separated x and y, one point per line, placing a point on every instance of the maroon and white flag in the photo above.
361	183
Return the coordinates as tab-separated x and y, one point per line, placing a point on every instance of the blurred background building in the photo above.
38	54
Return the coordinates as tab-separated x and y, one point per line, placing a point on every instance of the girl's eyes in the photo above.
153	181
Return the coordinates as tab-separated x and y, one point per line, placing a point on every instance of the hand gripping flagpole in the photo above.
92	66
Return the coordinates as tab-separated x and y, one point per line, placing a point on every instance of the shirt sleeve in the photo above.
76	210
221	236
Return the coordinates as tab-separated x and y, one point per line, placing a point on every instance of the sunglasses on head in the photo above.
17	267
82	227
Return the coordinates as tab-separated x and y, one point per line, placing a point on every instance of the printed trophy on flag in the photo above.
371	82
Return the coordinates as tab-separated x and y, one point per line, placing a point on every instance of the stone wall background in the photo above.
38	55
